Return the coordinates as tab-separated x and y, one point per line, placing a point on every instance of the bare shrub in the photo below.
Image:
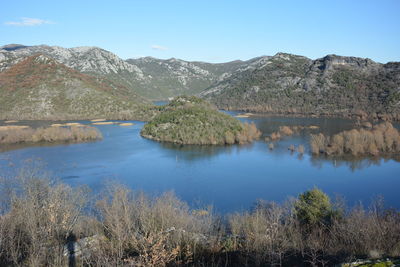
248	134
275	136
300	149
363	231
262	234
229	138
271	146
160	229
383	138
286	130
40	219
292	148
318	143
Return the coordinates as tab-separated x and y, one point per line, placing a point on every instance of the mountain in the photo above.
151	78
333	85
172	77
89	60
39	87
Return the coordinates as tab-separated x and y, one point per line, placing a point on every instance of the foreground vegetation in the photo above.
190	120
26	134
45	223
382	138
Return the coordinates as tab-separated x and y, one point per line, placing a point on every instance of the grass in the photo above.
13	127
103	123
25	134
126	124
72	124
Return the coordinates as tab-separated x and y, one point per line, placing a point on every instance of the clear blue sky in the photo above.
214	31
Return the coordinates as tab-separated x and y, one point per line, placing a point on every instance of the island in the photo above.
190	120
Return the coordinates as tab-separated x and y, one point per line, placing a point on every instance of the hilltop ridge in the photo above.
39	87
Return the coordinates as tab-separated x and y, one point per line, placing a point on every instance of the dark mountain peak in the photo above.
12	47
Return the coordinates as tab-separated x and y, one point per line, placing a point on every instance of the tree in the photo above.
313	207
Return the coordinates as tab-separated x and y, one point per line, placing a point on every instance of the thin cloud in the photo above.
28	22
159	47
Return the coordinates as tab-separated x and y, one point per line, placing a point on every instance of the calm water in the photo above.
230	178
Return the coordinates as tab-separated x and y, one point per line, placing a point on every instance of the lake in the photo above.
231	178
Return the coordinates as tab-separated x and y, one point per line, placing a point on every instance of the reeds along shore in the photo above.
41	219
382	138
25	134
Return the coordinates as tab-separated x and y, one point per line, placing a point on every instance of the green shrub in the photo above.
313	207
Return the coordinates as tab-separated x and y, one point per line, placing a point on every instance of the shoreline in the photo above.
248	113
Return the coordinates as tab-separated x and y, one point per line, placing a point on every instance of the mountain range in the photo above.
152	78
281	84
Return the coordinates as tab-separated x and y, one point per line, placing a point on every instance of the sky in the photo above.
212	31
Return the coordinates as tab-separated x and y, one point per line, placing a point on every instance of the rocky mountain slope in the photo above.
149	77
172	77
39	87
333	85
89	60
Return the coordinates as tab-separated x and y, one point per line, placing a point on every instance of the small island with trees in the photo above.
193	121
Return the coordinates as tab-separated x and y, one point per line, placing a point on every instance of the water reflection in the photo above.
197	152
353	163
